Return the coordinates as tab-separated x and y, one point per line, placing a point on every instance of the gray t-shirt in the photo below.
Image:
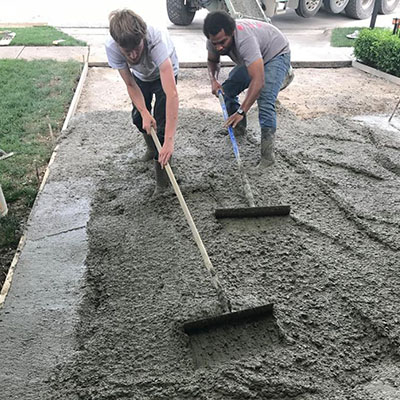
253	40
158	48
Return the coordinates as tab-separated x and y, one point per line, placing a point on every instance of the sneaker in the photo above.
353	35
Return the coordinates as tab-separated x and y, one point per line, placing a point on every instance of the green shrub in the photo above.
380	49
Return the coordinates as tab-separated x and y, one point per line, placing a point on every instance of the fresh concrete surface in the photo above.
36	326
325	269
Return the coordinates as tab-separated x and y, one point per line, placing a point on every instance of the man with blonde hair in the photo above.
145	58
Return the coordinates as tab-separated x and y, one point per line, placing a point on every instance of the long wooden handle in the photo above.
207	262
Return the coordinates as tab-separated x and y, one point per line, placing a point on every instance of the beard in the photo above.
226	50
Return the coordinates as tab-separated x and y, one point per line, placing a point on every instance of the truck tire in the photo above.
387	6
359	9
308	8
335	6
179	12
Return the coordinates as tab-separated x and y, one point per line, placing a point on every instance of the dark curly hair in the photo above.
216	21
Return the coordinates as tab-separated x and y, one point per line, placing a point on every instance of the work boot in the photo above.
267	147
288	78
151	148
162	180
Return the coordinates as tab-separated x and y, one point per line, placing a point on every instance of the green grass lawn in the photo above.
41	36
34	94
339	39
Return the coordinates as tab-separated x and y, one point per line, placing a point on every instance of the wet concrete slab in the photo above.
331	268
327	267
210	348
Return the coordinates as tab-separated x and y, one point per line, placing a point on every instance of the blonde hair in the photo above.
127	28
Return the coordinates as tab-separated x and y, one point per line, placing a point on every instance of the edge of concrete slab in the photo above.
322	64
71	111
77	95
376	72
295	64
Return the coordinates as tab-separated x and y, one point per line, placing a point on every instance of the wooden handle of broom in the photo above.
207	262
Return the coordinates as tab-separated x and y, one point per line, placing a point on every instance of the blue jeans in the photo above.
275	71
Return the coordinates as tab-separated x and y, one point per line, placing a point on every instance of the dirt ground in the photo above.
330	269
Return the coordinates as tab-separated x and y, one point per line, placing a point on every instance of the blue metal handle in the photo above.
230	129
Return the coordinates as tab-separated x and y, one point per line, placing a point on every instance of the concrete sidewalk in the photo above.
309	48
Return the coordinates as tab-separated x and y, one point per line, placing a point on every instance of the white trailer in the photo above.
182	12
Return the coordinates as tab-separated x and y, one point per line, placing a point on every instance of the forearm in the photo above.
136	96
171	114
134	92
168	82
213	70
